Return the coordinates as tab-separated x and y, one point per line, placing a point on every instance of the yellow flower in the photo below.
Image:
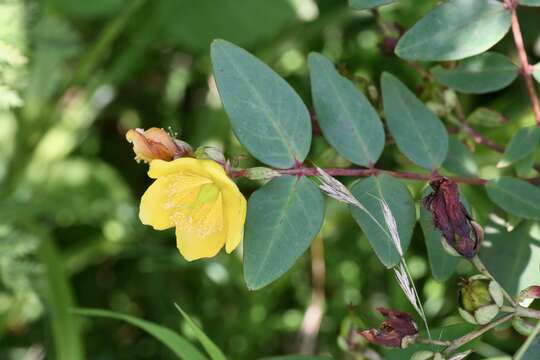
199	199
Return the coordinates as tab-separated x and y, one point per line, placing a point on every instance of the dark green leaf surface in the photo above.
455	30
370	192
533	350
480	74
523	143
513	257
347	119
516	196
442	264
194	24
368	4
267	115
283	218
459	160
208	345
178	344
418	132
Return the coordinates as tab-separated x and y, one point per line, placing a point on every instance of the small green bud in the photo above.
261	173
210	153
480	299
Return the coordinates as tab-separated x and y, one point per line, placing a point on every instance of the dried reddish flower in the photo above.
452	219
398	330
156	143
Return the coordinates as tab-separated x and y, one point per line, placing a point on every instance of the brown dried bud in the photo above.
398	330
156	143
452	219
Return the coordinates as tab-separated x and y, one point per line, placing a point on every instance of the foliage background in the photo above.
77	75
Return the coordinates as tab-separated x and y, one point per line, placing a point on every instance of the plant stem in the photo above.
474	334
526	68
523	349
433	342
484	271
529	313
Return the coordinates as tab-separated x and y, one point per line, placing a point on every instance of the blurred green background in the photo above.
75	75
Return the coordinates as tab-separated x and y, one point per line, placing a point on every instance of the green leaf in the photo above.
529	2
368	4
370	192
267	115
282	219
523	143
459	159
515	196
208	345
347	119
455	30
480	74
178	344
525	167
442	264
536	72
513	257
194	24
418	132
534	349
486	117
58	293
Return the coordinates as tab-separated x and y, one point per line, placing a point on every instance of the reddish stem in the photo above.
526	68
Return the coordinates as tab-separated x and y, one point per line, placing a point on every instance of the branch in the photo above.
526	68
314	313
474	334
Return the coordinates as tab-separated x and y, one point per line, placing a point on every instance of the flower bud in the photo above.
156	143
528	295
211	153
398	330
426	355
261	173
462	236
480	299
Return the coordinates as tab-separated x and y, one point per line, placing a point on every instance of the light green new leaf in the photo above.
178	344
283	217
529	2
418	132
370	192
523	143
266	114
513	257
454	30
515	196
536	72
486	117
208	345
368	4
347	119
480	74
459	159
442	264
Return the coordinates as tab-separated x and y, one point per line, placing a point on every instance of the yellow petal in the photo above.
235	215
189	166
203	233
162	199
